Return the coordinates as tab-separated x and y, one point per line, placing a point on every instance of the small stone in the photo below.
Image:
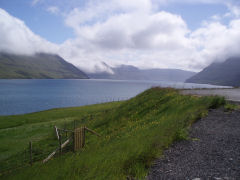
217	178
226	178
196	179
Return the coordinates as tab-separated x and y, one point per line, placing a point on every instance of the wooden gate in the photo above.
79	138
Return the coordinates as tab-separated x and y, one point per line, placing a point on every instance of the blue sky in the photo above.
194	14
167	33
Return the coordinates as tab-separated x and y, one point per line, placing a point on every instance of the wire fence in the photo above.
26	157
108	99
40	149
37	151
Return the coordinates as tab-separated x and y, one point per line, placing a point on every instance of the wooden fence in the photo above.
78	136
68	139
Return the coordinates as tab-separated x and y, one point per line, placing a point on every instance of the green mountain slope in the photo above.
226	73
39	66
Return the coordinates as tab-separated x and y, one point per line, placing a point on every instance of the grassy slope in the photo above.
133	133
39	66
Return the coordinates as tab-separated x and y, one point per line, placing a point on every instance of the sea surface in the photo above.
26	96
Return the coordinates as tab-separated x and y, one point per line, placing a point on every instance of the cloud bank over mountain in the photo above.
135	32
16	37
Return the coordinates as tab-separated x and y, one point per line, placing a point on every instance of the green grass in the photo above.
133	134
231	107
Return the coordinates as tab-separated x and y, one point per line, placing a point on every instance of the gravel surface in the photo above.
229	94
213	152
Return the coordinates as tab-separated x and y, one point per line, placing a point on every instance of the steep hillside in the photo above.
133	133
226	73
126	72
39	66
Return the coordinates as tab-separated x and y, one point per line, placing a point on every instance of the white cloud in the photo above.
53	9
16	37
131	36
198	1
130	32
216	17
234	9
34	2
216	41
147	38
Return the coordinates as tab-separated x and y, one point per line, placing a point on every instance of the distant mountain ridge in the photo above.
38	66
127	72
226	73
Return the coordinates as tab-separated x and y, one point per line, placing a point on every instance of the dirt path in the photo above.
214	153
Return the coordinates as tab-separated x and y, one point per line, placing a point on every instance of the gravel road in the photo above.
229	94
213	152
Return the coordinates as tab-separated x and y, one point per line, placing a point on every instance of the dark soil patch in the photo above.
212	153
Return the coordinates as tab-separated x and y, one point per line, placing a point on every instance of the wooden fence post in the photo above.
73	136
83	136
77	137
65	127
56	130
30	153
60	144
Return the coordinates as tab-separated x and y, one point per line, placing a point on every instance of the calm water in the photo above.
24	96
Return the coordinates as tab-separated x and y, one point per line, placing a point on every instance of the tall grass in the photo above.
133	134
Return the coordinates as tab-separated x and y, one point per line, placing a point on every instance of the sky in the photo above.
186	34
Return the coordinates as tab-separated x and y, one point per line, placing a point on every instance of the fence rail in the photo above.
66	140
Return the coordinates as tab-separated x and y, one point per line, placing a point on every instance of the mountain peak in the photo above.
222	73
38	66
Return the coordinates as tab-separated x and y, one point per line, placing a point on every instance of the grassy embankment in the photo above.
134	133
